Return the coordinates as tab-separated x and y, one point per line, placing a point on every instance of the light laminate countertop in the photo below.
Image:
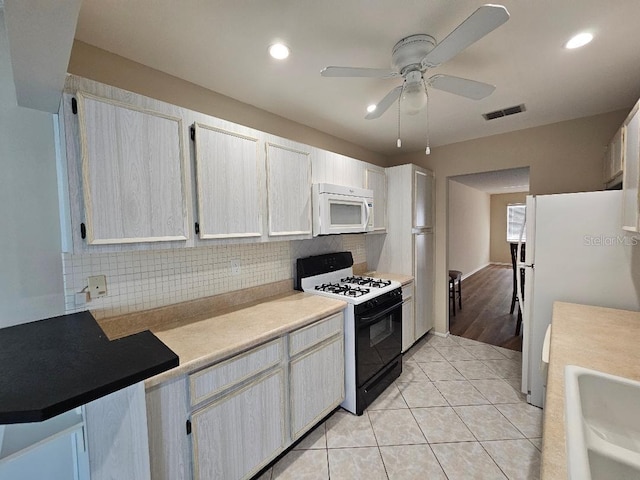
235	330
403	279
599	338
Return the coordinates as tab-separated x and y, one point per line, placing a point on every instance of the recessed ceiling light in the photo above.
371	108
279	51
579	40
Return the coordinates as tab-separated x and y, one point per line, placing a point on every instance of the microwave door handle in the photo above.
368	211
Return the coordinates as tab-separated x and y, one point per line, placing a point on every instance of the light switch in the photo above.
97	286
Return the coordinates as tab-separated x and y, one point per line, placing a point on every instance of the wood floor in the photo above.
486	299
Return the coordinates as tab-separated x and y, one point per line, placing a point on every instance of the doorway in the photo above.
477	247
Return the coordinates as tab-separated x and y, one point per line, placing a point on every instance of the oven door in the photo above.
378	340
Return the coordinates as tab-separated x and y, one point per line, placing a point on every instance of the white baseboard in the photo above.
466	275
438	334
500	263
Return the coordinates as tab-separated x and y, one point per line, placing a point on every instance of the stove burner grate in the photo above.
345	290
367	281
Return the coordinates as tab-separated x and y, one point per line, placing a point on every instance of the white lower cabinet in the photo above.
237	435
230	419
316	384
54	448
169	444
408	327
103	440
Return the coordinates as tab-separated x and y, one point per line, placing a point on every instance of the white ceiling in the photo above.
498	181
222	45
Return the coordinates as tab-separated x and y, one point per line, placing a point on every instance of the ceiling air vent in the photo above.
504	112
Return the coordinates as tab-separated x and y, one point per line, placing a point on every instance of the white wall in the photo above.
469	228
31	286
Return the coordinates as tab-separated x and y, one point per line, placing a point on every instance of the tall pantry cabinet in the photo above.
409	244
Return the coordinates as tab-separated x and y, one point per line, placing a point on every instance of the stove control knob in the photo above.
369	304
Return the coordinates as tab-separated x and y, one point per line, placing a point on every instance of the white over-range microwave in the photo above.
340	209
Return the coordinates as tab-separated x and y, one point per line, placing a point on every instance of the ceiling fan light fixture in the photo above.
579	40
413	97
279	51
372	108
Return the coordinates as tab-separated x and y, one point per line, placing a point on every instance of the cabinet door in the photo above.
117	435
606	165
228	185
422	199
169	446
617	152
408	326
289	191
132	173
423	295
376	180
316	384
239	434
330	167
630	177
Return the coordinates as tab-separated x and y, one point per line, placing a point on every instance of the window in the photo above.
515	222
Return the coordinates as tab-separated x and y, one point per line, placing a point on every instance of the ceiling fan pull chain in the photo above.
399	142
427	150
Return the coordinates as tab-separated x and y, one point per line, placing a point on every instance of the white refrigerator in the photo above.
576	251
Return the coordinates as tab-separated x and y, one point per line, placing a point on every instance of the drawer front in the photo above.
211	381
307	337
407	291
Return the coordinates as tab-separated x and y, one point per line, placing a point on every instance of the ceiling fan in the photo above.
412	56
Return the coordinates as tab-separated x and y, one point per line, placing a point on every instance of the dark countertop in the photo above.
51	366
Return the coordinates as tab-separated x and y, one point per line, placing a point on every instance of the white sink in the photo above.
602	420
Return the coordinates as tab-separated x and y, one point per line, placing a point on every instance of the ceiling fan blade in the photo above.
358	72
461	86
384	104
481	22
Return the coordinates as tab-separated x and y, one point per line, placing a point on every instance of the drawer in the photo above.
407	291
313	334
213	380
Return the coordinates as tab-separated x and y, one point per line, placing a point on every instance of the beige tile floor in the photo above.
453	414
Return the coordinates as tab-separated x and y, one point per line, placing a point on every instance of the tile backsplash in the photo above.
140	280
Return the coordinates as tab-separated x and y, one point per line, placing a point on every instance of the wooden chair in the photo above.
455	276
514	296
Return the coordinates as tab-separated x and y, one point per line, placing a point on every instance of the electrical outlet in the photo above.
235	267
97	286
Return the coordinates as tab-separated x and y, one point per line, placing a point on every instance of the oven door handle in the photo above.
368	320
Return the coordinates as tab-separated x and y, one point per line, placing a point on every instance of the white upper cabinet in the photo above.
423	199
228	183
376	180
330	167
613	161
135	181
132	171
617	153
631	171
288	190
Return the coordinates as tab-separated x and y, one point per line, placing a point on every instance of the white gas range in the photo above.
373	323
